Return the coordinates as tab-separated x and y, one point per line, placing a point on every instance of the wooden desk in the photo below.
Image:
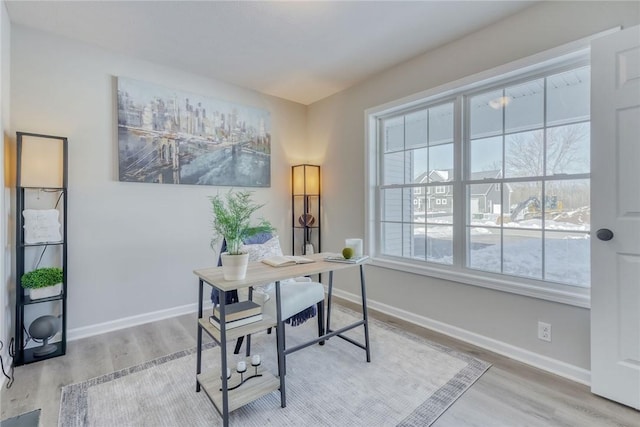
216	386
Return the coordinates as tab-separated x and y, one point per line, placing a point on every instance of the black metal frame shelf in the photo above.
305	207
28	301
36	245
25	355
51	189
28	357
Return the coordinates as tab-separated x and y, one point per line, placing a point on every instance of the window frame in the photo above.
555	60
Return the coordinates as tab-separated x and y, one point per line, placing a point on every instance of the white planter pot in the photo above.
49	291
234	267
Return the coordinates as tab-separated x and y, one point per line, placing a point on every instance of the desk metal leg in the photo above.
223	358
248	348
365	315
199	339
320	314
330	290
282	360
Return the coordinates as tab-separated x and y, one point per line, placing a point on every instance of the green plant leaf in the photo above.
232	219
42	278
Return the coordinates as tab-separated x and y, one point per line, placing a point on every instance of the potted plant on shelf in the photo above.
232	221
43	282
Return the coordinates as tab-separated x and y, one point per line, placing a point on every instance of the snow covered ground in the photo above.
516	248
566	260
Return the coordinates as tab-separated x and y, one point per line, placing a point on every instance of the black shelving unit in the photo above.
45	254
305	209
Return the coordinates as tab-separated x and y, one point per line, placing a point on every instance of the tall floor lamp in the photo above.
305	208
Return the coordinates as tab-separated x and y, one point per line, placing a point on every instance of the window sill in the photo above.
563	294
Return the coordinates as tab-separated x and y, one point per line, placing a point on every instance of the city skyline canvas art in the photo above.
169	136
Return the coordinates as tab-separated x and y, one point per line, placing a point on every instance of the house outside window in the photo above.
504	172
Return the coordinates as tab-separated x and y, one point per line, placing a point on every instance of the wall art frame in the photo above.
169	136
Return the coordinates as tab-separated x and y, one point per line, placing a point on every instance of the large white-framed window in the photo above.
503	162
532	139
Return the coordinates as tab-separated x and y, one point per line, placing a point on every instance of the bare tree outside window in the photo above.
567	151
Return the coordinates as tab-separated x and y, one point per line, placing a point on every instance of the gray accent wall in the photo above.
132	246
336	133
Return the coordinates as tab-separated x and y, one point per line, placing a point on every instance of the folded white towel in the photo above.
41	225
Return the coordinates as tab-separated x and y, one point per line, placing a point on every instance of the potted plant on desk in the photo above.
43	282
232	222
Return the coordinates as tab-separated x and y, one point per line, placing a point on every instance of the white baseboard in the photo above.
127	322
558	367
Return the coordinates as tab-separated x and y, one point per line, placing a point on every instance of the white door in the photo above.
615	187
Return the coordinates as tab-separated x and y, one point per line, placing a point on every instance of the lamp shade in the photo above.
306	179
41	161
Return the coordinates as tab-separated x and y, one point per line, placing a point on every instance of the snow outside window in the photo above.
514	158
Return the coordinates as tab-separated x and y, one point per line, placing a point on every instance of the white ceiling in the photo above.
302	51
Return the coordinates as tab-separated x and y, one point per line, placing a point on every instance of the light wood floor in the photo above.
510	394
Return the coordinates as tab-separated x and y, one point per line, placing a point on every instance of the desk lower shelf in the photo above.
253	389
264	324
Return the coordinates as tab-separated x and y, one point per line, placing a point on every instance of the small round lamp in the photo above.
44	328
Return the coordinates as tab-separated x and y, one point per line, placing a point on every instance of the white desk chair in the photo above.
301	298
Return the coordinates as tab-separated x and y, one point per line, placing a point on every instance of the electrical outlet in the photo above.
544	331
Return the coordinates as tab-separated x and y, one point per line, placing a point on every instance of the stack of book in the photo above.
238	314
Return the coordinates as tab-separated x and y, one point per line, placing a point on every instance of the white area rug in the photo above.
409	382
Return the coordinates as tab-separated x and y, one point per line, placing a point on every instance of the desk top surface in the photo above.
259	273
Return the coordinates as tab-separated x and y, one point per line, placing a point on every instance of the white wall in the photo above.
336	140
6	306
132	247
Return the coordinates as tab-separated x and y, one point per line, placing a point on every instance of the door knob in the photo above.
604	234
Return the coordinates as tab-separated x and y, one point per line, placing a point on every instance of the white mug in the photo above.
356	245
